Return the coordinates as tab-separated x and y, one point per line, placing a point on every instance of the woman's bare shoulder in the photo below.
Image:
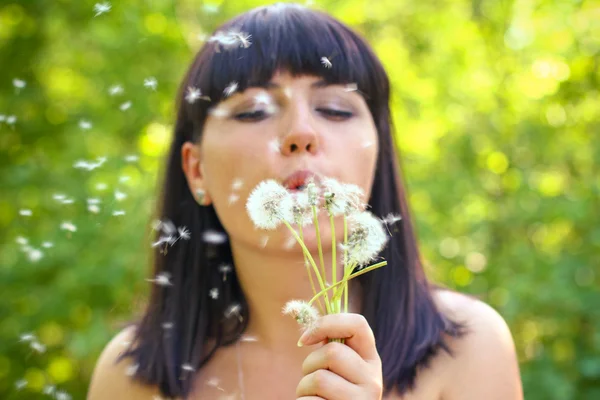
484	362
110	379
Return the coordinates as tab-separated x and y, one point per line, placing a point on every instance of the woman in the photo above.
286	93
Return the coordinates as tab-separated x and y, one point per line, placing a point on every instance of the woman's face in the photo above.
270	133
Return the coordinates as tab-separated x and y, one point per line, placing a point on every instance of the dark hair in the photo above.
397	299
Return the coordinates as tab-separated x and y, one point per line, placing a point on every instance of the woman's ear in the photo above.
191	163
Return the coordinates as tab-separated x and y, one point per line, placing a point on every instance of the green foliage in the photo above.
495	104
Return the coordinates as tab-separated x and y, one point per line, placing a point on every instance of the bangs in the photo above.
287	38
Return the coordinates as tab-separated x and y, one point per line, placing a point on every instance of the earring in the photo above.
200	196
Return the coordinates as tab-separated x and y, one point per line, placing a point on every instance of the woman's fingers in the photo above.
327	385
354	328
338	358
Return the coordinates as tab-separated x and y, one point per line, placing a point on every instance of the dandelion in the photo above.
68	226
162	279
115	90
326	63
214	293
101	8
120	195
341	198
305	314
20	384
367	238
214	237
132	369
230	89
125	106
150	83
184	233
25	212
47	245
269	204
62	395
85	125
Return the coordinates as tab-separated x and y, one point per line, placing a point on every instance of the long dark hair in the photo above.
397	299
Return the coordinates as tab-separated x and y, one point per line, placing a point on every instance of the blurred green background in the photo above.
496	105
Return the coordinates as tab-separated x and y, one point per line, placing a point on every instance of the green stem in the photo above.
320	247
312	282
312	262
347	278
336	305
345	261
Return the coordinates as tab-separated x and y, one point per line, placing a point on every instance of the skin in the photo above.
485	364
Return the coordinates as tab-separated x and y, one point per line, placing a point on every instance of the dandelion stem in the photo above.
336	304
319	246
346	279
345	261
312	283
312	262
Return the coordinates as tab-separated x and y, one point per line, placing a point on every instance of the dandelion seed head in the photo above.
302	208
342	198
269	204
306	315
367	237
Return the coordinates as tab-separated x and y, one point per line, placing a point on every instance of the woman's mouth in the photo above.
299	179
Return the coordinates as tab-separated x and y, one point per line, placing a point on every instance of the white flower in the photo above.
302	208
115	90
341	198
101	8
367	238
230	89
184	233
125	106
25	212
306	315
68	226
269	204
83	124
326	63
150	83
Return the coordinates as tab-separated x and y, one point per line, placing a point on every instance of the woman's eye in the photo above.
336	114
251	116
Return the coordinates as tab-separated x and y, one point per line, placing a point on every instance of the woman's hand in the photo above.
339	371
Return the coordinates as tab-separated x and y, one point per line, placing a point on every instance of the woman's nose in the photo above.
301	135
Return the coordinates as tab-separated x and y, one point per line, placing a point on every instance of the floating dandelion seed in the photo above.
101	8
2	117
275	145
214	382
194	94
183	233
19	83
162	279
391	218
233	198
289	243
83	124
214	237
263	98
225	269
101	186
263	241
326	63
118	212
243	38
124	178
120	195
230	40
68	226
49	389
25	212
150	83
62	395
214	293
269	204
351	87
11	119
248	338
237	184
47	245
132	369
210	8
58	196
35	255
230	89
168	325
220	111
306	315
115	90
20	384
125	106
67	201
234	309
21	240
367	143
287	91
37	346
131	158
27	337
187	367
93	208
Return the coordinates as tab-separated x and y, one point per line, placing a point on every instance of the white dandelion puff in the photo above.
101	8
302	209
269	204
230	89
366	239
341	198
115	90
68	226
125	106
184	233
326	63
214	293
162	279
85	125
25	212
214	237
20	384
306	315
151	83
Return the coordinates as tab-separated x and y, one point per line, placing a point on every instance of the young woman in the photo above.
286	93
